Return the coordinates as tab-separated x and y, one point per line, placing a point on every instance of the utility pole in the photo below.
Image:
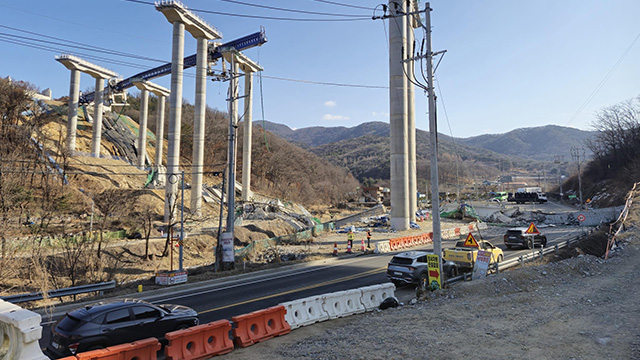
228	237
575	155
433	142
557	160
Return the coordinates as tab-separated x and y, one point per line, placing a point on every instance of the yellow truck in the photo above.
465	252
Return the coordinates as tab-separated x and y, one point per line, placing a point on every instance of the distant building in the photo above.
512	186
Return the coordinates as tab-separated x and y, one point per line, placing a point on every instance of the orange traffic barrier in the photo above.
430	236
259	326
457	231
199	342
142	349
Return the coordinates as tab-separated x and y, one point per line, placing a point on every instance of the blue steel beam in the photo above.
246	42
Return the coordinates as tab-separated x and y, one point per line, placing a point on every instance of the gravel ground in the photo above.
578	308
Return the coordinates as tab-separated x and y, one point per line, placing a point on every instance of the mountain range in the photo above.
364	149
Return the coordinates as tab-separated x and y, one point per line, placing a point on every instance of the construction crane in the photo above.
116	87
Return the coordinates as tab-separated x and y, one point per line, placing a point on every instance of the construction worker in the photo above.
369	238
350	237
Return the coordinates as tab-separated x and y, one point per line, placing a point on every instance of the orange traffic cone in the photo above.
335	249
362	246
348	248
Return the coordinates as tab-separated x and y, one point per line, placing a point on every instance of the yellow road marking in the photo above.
329	282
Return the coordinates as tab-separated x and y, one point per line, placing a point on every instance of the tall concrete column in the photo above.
175	116
160	130
411	122
247	141
233	123
199	127
398	119
142	128
98	100
72	115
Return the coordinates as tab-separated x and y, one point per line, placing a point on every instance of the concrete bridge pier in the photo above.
145	88
76	66
182	19
398	118
72	115
197	167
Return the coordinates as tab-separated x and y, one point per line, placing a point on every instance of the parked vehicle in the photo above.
465	256
524	197
410	267
110	323
520	237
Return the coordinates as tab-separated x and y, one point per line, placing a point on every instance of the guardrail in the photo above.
533	255
82	289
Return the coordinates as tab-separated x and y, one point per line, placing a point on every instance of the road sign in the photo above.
582	218
532	229
481	266
471	241
434	272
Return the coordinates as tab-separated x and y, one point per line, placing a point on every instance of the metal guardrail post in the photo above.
557	248
541	252
521	259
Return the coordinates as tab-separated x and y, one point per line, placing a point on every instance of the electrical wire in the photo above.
604	80
326	83
341	4
82	45
258	16
288	10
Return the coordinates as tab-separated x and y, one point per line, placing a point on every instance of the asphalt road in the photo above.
223	299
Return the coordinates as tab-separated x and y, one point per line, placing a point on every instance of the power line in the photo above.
288	10
83	45
258	16
326	83
341	4
604	80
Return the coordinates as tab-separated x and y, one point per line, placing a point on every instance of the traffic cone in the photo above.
348	248
335	249
362	246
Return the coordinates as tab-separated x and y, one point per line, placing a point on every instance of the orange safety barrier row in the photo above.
457	231
141	349
259	325
199	342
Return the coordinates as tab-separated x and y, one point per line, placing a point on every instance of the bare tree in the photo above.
110	203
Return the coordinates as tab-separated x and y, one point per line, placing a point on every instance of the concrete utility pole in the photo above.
575	154
433	142
399	134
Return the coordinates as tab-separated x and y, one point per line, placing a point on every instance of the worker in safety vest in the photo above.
368	238
350	237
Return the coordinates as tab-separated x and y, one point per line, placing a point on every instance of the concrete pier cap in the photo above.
246	65
177	11
156	89
75	63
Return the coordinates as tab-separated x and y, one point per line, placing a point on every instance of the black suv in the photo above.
519	237
122	321
411	267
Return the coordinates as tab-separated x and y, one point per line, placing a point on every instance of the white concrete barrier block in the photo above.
20	331
382	247
373	295
343	303
305	311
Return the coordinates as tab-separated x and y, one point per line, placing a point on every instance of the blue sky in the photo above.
509	64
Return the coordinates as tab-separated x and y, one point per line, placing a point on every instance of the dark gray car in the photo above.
411	267
105	324
520	237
